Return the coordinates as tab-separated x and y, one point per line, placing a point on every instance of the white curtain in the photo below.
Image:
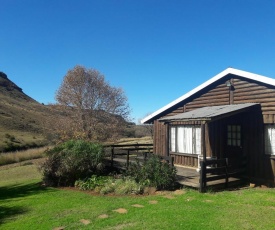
197	145
270	139
185	139
180	139
188	139
173	139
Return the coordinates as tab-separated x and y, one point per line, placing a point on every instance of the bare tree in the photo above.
95	110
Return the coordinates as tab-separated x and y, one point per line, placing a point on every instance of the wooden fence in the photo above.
133	151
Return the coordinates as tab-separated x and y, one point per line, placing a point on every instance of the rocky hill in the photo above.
21	117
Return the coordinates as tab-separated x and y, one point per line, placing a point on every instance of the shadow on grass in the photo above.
8	212
7	193
21	190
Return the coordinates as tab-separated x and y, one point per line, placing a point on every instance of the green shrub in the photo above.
154	173
70	161
94	182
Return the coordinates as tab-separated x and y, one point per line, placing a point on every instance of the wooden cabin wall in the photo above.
260	165
161	141
188	160
253	92
220	95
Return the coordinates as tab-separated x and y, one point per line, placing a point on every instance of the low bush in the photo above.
70	161
123	186
106	184
154	172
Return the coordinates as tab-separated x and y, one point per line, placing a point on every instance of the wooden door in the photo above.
234	145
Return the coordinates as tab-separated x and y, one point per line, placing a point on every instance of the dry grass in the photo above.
18	156
141	140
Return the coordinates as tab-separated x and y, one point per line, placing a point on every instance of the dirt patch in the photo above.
271	199
208	201
103	216
149	190
121	210
153	201
59	228
138	206
123	226
161	193
179	192
85	222
169	197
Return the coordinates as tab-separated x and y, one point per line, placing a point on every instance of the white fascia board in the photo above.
227	71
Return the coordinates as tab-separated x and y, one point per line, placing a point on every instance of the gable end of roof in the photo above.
241	73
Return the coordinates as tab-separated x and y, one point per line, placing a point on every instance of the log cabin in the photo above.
231	116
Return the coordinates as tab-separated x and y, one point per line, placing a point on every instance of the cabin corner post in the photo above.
167	141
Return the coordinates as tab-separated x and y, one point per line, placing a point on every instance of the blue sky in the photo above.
155	50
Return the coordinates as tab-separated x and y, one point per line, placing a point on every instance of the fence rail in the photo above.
136	150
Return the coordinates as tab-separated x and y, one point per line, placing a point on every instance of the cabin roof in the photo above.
210	112
241	73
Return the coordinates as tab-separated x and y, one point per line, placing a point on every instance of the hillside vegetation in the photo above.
21	117
25	123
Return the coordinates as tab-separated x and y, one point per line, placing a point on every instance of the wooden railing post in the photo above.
226	172
145	156
203	177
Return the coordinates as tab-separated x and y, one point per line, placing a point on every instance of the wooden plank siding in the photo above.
160	138
259	165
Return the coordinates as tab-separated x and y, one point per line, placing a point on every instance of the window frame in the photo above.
234	135
174	133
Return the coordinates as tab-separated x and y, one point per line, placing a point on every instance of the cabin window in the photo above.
234	135
185	139
269	135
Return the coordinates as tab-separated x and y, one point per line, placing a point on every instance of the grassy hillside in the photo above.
21	117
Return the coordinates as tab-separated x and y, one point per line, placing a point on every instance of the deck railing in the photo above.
219	169
136	150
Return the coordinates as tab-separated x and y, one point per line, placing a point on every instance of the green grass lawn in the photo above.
24	204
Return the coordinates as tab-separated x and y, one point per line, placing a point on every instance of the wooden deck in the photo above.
121	155
186	176
190	177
